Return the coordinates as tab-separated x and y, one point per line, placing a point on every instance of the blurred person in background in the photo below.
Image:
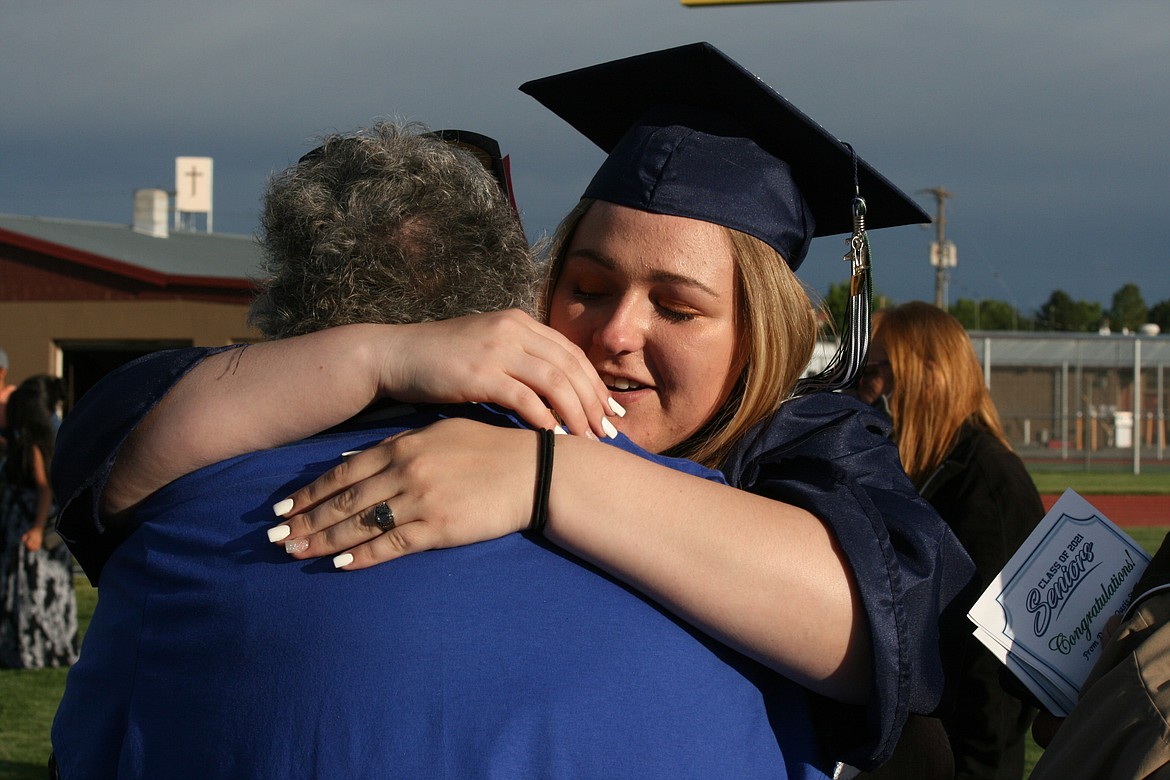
953	447
38	623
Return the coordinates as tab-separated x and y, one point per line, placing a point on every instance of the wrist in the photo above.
544	466
369	352
388	360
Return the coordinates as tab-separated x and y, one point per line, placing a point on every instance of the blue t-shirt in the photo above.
212	653
826	453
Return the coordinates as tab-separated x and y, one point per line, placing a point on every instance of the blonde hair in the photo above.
938	385
777	335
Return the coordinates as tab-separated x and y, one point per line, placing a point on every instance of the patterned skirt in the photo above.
38	608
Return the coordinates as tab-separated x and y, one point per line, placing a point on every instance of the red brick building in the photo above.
79	298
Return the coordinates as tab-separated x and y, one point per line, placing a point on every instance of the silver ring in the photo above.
384	516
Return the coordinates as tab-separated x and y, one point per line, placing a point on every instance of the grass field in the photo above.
28	698
1086	482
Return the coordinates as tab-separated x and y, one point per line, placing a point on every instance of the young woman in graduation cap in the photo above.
675	317
673	281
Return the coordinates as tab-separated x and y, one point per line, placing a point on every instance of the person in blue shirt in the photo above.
212	653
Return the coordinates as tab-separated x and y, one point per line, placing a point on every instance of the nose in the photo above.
622	328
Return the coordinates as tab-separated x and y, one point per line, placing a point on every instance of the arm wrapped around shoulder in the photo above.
88	443
831	456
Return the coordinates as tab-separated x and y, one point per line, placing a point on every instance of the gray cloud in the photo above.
1044	119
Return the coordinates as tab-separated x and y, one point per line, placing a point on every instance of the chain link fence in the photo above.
1101	400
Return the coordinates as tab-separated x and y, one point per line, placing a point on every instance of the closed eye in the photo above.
674	314
585	295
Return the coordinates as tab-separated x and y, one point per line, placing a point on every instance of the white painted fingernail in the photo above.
559	431
617	408
278	532
350	452
280	508
296	546
345	559
607	426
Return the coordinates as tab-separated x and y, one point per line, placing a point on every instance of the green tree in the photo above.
1160	315
966	311
1061	312
986	315
1054	312
998	315
1129	311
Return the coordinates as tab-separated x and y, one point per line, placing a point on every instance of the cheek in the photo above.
704	374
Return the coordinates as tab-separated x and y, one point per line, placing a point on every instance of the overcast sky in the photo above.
1046	119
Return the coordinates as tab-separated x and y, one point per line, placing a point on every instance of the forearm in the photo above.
245	400
762	576
40	475
44	507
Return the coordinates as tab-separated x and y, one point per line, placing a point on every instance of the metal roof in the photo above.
181	254
1009	348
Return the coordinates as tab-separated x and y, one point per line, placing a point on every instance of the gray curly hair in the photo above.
389	224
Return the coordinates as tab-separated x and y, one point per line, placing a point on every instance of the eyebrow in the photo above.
658	277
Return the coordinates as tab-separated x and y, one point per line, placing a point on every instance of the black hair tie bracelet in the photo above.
544	466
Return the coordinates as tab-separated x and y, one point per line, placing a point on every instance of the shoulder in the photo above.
984	482
980	453
91	435
821	426
974	441
94	429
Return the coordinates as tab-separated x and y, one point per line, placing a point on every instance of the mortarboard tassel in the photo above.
842	370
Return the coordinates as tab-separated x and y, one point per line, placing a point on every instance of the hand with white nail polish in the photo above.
452	483
509	359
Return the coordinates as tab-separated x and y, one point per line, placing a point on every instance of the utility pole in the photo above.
942	252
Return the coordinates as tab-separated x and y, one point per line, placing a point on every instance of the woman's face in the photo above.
651	300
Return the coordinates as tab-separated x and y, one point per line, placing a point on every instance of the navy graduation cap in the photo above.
691	133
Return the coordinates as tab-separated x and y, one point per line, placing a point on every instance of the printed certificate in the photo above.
1044	613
